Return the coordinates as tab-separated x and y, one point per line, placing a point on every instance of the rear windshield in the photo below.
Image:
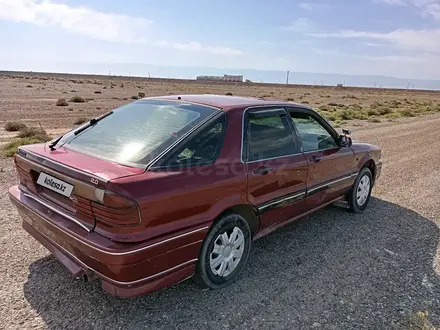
136	133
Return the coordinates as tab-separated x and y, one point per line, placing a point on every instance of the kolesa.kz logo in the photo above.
53	184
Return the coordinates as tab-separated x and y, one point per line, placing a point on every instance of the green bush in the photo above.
372	112
11	148
347	114
27	136
406	113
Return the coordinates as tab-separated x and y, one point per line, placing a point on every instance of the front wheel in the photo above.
361	192
224	252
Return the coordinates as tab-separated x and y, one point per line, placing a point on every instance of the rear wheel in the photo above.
224	252
361	192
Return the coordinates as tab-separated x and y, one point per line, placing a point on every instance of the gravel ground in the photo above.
331	270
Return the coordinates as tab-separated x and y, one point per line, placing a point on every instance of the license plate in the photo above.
55	184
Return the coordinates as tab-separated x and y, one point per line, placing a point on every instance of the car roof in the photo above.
226	102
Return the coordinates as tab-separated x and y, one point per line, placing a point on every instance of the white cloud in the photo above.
313	6
197	47
384	58
94	24
426	7
77	20
405	39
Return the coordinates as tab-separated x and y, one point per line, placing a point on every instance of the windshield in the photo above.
136	133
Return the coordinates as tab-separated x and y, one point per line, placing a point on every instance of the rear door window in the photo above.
202	147
269	136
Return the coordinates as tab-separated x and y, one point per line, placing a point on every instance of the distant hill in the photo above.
266	76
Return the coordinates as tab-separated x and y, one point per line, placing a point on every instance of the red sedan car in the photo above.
167	188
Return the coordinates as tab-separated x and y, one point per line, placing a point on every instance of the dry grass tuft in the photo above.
419	321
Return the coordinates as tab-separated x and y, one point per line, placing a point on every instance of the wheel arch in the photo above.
371	165
247	211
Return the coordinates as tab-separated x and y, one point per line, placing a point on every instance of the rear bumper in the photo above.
126	270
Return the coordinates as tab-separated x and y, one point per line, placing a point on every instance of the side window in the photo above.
313	135
269	137
201	148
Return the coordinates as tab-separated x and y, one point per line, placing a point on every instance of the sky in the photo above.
399	38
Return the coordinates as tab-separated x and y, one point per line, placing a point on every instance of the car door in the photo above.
277	170
330	164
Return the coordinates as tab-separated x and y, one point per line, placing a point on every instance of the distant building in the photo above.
236	78
226	77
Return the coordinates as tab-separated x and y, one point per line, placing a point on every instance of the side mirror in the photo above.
345	139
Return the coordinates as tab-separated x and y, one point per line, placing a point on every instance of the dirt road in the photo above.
332	270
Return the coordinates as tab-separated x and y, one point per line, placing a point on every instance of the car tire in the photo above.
360	194
224	252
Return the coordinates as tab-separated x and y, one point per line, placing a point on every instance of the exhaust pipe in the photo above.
86	276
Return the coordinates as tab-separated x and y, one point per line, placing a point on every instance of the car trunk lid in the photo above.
74	182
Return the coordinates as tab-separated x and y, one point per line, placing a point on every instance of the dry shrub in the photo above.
373	112
374	120
419	321
77	99
80	121
384	111
14	126
34	132
407	113
356	106
62	103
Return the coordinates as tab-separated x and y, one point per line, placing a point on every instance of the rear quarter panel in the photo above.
178	200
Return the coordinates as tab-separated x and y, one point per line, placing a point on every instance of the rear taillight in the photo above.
116	210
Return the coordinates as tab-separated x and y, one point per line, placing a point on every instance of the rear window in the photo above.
136	133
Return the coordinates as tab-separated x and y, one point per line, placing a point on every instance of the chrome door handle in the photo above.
315	159
262	170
